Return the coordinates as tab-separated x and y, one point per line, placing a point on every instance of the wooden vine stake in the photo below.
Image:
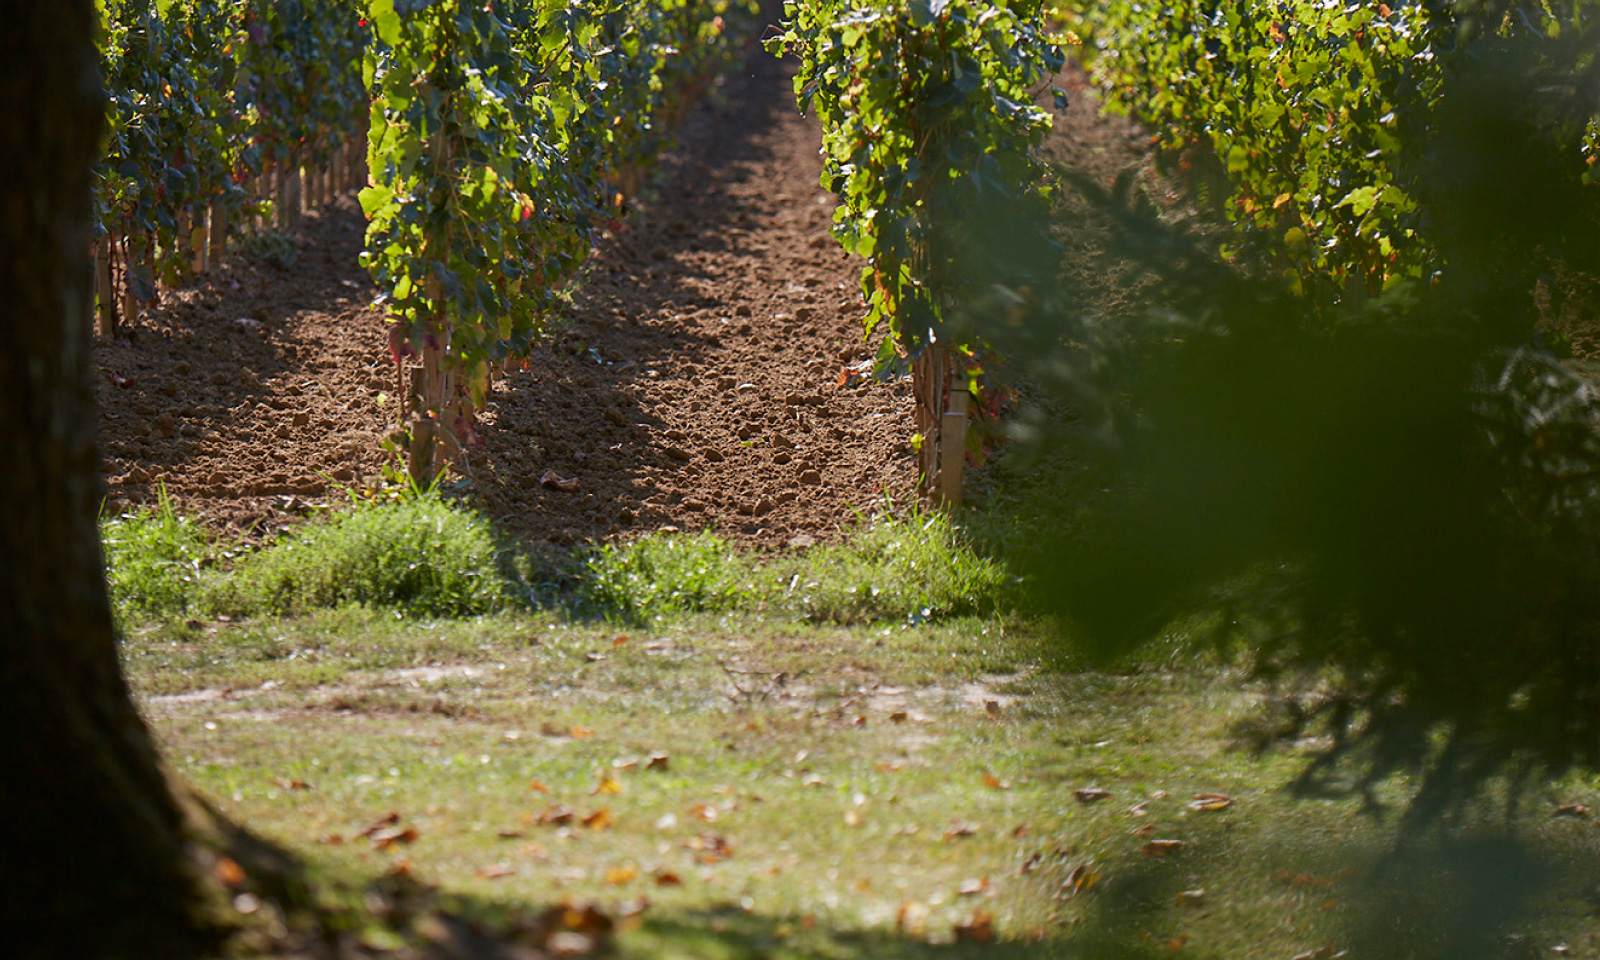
952	448
219	232
105	290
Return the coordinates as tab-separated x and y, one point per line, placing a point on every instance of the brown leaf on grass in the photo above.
229	872
508	833
658	761
291	784
1031	864
388	819
633	907
331	839
1160	848
978	928
1209	802
961	829
538	787
578	733
666	878
607	785
496	871
1175	944
1091	794
618	640
599	820
703	811
1578	810
1080	879
385	839
1143	831
973	886
556	814
899	716
1197	895
852	818
709	848
995	783
912	919
992	708
889	766
555	481
617	876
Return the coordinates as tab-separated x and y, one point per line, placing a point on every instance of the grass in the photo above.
425	556
827	791
865	754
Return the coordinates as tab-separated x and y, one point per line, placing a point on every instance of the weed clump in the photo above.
422	556
918	566
154	561
667	574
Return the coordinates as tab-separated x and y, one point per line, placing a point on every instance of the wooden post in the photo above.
200	227
293	193
130	303
105	290
219	232
424	430
952	448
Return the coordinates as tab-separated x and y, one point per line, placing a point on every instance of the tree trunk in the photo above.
92	840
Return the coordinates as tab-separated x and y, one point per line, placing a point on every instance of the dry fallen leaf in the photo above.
496	871
703	811
1310	880
709	848
979	928
1175	944
658	761
292	784
578	733
888	766
332	839
666	878
508	833
1579	810
1091	794
555	481
1031	864
607	785
992	708
1207	802
388	819
556	814
899	716
1197	895
1160	848
995	783
617	876
911	919
229	871
384	839
599	820
1080	879
961	829
972	886
852	818
538	787
633	907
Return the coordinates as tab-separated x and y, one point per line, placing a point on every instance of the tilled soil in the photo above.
702	377
709	372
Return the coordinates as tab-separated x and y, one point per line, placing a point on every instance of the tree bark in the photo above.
93	846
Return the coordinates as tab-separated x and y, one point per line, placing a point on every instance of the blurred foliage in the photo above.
1388	508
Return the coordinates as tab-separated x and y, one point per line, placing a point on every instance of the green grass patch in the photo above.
831	791
423	556
155	561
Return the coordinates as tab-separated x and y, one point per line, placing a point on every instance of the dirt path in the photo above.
698	384
696	381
